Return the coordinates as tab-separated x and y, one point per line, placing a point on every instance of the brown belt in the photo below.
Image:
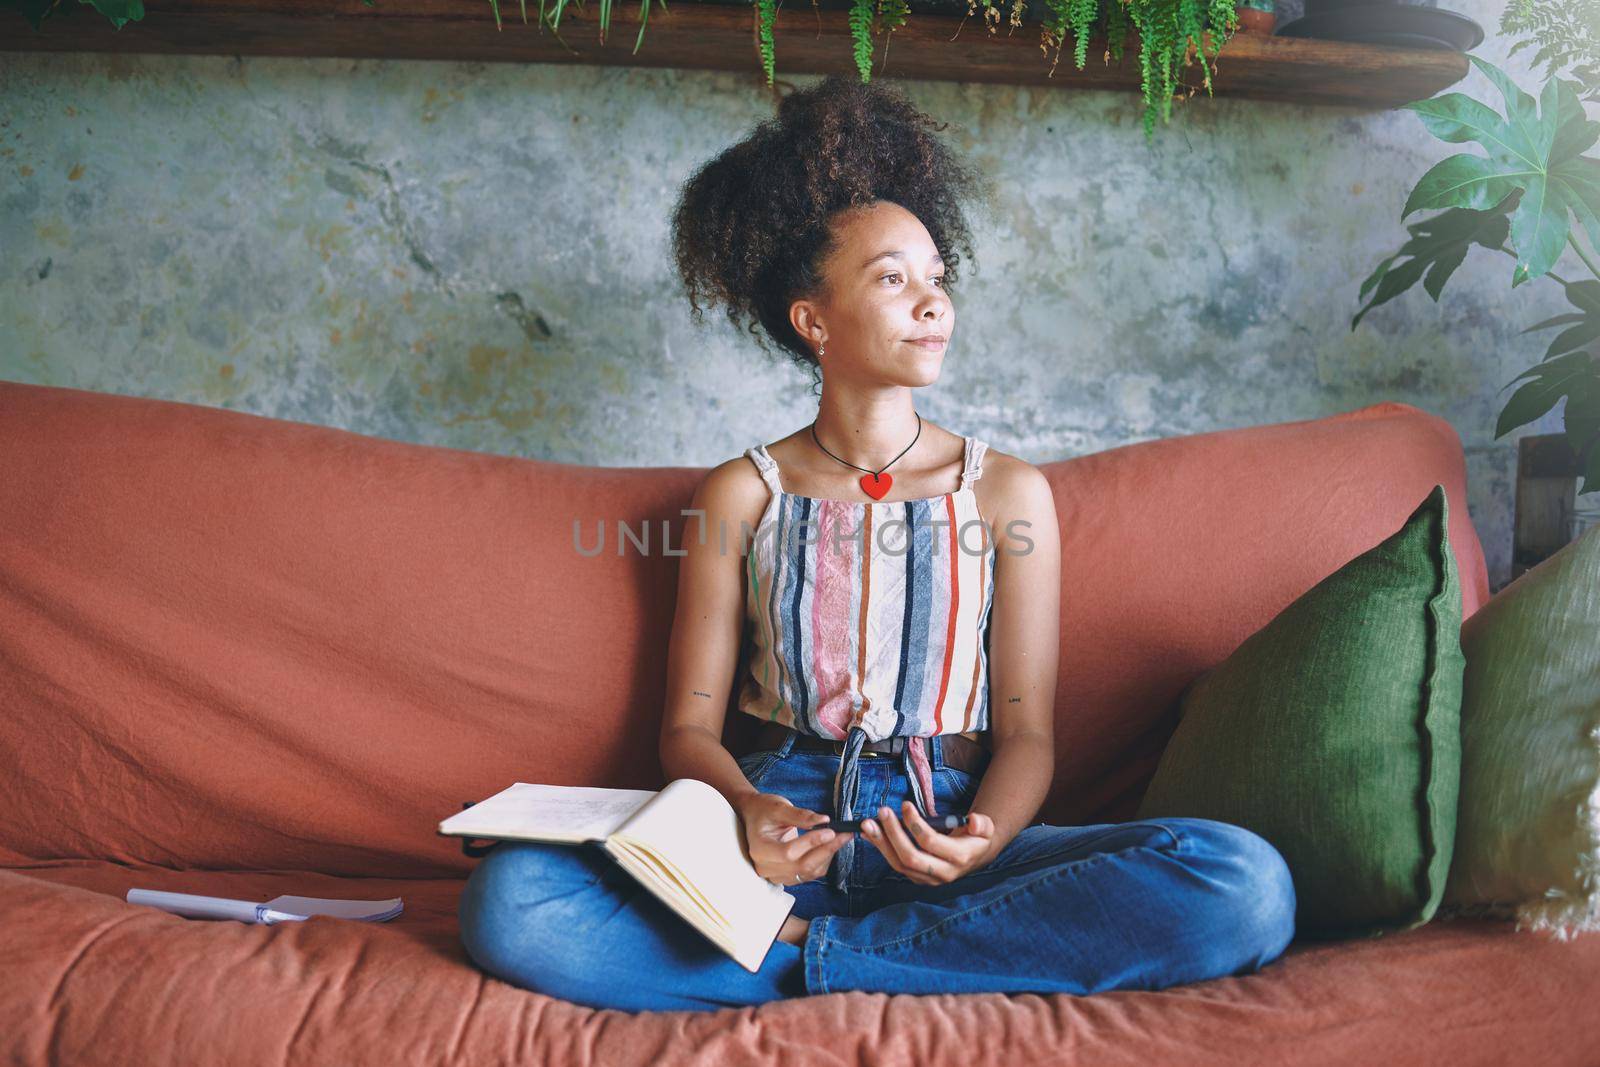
962	753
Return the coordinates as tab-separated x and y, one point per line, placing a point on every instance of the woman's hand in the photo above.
925	855
781	854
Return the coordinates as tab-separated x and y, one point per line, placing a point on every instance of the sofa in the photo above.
243	656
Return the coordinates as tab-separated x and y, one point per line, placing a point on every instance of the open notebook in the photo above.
684	843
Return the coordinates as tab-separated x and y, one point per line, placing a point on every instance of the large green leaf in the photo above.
1535	147
1550	381
1519	105
1465	181
1576	134
1567	371
1572	316
1437	245
1544	131
1457	117
1539	227
1578	179
1582	419
1574	338
1584	295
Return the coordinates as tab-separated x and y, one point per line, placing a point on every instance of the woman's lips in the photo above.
939	343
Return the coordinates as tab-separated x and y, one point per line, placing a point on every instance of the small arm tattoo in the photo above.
699	693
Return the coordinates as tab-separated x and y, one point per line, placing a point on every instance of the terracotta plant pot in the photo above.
1256	16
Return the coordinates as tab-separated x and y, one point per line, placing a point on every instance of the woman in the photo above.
892	616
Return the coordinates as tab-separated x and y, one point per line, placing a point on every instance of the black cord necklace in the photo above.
874	483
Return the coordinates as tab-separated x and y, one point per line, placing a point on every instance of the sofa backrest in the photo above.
230	641
1176	550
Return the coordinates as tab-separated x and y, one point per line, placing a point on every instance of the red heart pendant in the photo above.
876	485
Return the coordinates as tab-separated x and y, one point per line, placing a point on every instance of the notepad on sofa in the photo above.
278	909
684	843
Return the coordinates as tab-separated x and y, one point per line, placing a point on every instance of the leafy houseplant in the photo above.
1529	187
1170	32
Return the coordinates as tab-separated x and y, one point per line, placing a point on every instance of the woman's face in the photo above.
885	289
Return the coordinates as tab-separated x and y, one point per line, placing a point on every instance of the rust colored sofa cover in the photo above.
244	656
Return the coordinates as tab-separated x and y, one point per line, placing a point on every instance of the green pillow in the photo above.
1334	733
1528	833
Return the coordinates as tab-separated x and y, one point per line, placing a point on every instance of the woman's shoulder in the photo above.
1007	468
1014	488
733	491
736	476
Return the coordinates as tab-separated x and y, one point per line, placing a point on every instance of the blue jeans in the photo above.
1061	909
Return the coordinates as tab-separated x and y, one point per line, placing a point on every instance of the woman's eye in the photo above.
937	277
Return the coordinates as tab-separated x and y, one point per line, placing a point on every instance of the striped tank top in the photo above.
867	620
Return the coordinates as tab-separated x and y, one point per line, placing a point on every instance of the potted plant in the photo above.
1530	195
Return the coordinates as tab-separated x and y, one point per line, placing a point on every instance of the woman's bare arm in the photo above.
1024	642
707	629
702	658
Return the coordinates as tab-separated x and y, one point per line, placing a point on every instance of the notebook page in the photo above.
631	859
748	943
642	865
696	831
530	812
671	878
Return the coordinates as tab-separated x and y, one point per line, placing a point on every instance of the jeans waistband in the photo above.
960	753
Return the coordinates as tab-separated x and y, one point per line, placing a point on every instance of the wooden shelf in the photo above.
709	36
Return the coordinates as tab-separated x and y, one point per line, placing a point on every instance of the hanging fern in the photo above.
892	14
768	15
1170	33
861	37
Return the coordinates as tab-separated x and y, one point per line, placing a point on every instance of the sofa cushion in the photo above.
91	980
230	641
1334	733
1528	833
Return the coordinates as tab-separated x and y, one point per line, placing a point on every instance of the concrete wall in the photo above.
475	255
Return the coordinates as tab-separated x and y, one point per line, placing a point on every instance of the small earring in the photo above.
821	349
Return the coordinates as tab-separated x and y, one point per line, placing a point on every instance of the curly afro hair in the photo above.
752	228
